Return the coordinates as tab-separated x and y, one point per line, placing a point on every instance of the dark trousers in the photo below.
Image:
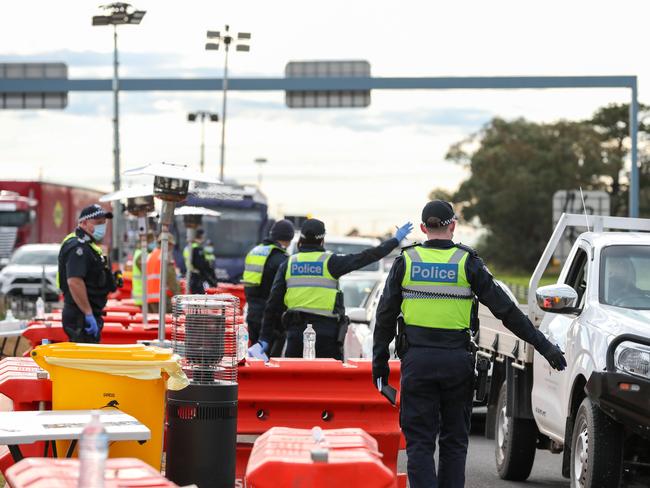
254	328
196	284
74	325
327	345
436	401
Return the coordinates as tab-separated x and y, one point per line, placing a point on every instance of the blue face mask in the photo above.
209	249
151	246
99	232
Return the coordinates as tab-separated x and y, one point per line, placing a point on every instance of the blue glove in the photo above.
93	328
403	231
258	351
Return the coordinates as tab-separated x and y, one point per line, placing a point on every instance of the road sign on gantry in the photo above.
30	99
327	98
570	201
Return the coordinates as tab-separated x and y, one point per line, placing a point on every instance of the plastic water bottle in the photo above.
242	342
93	451
309	343
40	308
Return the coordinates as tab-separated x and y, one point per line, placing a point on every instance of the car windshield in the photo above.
625	277
14	219
356	292
351	248
26	256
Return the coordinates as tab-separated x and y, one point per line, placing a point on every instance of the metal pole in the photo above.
143	270
634	172
164	243
190	232
223	113
202	141
117	211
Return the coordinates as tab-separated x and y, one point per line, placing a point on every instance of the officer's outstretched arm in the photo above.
80	294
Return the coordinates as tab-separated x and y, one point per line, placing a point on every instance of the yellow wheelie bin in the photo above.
132	378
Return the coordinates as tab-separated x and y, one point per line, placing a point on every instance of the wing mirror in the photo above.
358	314
559	298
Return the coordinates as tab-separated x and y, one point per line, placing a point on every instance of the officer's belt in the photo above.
439	338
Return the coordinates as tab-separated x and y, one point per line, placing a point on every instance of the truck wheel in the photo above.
596	449
515	443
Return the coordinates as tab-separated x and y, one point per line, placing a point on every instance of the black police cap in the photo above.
282	230
312	229
438	213
94	211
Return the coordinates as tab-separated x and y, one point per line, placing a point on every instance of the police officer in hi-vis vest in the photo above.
307	287
85	276
261	264
432	290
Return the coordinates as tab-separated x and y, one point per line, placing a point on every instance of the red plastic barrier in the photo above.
344	457
321	392
19	383
232	289
60	473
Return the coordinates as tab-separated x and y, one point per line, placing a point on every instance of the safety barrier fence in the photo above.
293	393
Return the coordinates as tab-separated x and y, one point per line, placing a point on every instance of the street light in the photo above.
202	115
260	162
117	14
240	42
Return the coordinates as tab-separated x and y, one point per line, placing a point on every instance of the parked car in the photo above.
23	275
345	245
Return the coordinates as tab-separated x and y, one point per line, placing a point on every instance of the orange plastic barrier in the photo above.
292	457
320	392
60	473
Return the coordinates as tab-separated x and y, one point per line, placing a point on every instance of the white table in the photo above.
25	427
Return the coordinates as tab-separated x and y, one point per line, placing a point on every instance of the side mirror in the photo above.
557	299
358	315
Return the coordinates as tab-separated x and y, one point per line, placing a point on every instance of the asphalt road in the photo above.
481	470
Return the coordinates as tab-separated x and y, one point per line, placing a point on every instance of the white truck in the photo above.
597	411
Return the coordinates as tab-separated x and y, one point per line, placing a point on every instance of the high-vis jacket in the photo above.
72	235
187	256
136	278
310	286
153	277
435	290
255	262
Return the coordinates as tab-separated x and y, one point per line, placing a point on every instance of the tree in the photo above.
515	171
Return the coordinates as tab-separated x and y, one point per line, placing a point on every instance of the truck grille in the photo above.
7	241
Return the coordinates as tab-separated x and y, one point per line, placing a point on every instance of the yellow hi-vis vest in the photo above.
310	286
255	262
187	256
136	278
435	290
93	245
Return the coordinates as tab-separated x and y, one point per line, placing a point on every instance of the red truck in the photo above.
37	212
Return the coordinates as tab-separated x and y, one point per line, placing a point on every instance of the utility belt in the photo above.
294	318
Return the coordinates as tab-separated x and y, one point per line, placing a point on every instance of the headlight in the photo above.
633	359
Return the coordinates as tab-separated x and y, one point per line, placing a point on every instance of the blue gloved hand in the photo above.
403	231
93	328
258	351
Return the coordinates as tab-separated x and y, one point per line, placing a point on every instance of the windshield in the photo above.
356	292
233	233
351	248
625	277
26	256
14	219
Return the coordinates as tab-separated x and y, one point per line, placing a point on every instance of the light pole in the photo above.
117	14
260	162
202	115
241	44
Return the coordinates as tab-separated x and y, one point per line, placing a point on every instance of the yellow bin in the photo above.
132	378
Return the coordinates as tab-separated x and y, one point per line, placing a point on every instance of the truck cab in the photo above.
597	411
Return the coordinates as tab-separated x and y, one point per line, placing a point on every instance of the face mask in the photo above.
99	232
151	246
209	249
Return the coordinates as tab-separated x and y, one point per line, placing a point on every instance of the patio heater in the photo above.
202	418
140	207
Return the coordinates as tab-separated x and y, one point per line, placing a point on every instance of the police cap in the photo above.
438	213
312	229
94	211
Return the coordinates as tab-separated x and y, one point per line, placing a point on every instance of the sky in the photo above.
369	168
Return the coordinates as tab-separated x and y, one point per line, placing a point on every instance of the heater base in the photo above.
202	435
